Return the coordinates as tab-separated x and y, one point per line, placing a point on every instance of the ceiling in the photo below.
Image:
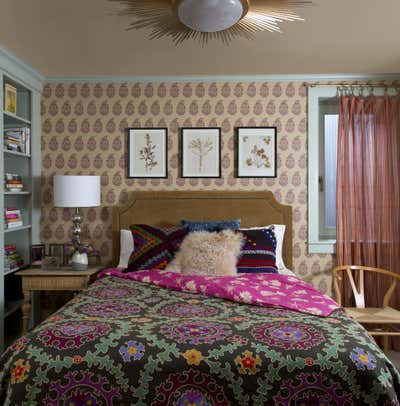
75	38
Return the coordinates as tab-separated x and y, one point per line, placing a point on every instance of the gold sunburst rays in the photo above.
160	16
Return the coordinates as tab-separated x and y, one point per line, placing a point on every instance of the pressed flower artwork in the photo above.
256	152
147	153
200	153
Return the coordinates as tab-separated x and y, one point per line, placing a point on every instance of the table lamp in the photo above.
77	191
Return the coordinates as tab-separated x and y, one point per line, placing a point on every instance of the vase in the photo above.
79	261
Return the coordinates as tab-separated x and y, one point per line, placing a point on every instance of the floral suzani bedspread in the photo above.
125	342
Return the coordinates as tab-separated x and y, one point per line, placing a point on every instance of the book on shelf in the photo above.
12	259
13	217
18	139
13	182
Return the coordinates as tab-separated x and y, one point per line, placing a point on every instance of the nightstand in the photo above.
37	279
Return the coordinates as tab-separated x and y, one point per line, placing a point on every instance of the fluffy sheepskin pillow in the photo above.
208	253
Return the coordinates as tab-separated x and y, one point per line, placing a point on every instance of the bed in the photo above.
152	338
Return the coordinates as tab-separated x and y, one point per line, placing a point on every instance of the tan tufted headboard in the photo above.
161	208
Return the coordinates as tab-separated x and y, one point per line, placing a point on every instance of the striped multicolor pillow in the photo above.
155	247
258	253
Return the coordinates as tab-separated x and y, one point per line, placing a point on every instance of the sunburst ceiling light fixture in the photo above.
204	20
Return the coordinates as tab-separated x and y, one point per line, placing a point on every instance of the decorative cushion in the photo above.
155	247
279	230
211	225
205	253
258	251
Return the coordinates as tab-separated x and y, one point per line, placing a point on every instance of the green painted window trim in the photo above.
316	245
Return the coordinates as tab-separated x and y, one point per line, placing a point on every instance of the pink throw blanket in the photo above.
257	289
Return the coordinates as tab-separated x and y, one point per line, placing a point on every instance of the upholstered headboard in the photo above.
161	208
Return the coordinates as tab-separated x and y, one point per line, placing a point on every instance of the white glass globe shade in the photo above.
210	15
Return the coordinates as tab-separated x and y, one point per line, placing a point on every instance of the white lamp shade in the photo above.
76	191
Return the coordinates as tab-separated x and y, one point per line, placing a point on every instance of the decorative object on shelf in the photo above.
201	152
10	99
147	153
256	152
38	252
50	263
18	139
13	218
12	259
205	20
77	191
13	182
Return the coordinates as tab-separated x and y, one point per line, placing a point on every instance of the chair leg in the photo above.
385	344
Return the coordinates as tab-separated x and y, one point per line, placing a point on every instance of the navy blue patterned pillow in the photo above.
211	225
258	253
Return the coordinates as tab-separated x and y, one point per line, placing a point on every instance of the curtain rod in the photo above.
394	85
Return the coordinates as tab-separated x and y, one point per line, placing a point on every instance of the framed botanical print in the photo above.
147	153
201	152
256	152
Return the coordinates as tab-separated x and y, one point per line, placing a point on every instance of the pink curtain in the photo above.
368	188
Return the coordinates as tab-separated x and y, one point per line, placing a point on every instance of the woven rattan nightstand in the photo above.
60	279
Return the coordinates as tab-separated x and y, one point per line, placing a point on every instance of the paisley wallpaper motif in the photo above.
84	132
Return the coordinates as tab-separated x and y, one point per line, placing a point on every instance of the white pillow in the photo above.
285	271
127	247
279	230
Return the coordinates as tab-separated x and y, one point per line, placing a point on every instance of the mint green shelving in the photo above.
29	87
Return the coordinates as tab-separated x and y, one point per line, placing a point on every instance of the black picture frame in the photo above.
130	134
275	152
184	174
38	252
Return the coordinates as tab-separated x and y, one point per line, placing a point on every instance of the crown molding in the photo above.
15	68
226	78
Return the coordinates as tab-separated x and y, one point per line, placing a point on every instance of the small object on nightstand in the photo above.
57	250
38	252
50	263
68	252
79	260
94	259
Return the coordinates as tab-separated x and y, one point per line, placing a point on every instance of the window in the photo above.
323	107
328	116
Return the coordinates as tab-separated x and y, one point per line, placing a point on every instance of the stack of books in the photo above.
13	182
12	259
18	139
13	217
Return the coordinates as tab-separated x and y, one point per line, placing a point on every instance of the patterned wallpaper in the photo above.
84	133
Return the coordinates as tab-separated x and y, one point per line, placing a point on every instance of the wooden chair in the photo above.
386	316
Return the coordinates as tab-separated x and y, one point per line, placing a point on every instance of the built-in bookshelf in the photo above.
20	164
